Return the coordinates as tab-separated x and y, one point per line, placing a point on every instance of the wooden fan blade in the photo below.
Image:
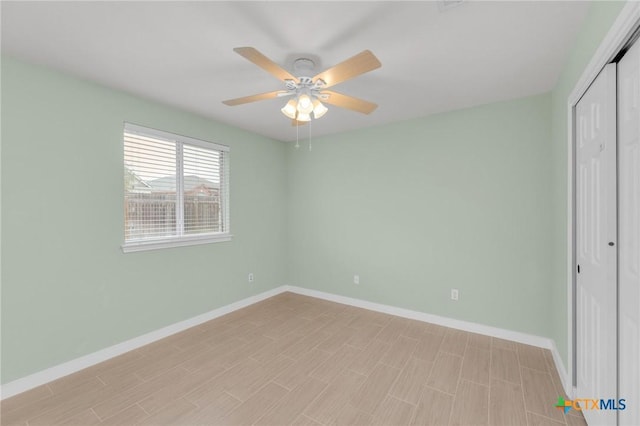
295	123
349	102
265	63
253	98
363	62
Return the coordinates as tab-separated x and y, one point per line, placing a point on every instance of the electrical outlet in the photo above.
250	277
454	294
356	279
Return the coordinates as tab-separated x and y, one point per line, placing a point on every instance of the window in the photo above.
175	190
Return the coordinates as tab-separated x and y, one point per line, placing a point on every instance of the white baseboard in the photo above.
562	371
529	339
45	376
516	336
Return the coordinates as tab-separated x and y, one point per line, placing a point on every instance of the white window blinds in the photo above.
176	190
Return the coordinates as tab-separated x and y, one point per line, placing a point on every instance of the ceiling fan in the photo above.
308	93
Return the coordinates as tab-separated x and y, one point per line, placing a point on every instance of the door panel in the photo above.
629	232
596	288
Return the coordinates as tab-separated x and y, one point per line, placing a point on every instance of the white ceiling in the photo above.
180	53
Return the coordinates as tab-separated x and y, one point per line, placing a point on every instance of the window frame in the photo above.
182	240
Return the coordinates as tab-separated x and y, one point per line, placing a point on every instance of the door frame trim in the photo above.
627	22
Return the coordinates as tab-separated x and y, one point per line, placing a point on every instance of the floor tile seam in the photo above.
493	345
535	369
183	394
554	421
394	366
102	381
73	388
473	345
488	394
433	364
414	407
506	349
498	379
489	404
490	361
302	412
176	346
158	374
274	405
270	381
387	365
229	394
491	376
522	400
186	395
464	358
179	365
459	374
115	414
464	379
546	367
285	356
366	376
95	414
507	381
451	409
354	346
450	353
526	407
129	390
396	381
437	390
50	409
51	394
389	394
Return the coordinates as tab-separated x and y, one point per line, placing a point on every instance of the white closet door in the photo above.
596	322
629	232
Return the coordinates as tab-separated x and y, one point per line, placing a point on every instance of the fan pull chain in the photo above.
297	137
309	135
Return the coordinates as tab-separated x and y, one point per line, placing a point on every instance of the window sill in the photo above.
174	242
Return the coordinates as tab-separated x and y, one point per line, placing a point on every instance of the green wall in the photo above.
455	200
596	25
473	199
67	288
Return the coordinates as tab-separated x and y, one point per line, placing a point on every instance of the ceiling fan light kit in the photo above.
290	109
302	116
308	92
305	106
318	109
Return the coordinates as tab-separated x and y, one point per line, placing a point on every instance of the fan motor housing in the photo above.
303	66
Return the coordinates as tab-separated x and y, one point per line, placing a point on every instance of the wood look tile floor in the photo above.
296	360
